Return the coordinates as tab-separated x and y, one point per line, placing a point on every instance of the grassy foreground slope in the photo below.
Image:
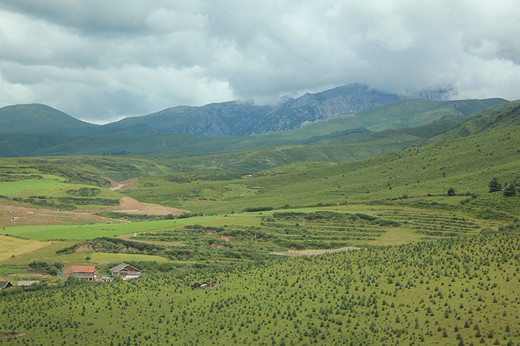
453	291
462	289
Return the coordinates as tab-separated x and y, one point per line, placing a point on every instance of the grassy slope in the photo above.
336	147
500	116
467	164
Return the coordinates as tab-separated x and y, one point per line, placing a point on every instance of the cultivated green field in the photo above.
79	232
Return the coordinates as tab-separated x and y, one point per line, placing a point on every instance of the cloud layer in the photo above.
103	60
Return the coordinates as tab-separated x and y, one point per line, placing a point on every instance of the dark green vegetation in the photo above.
37	118
436	224
453	291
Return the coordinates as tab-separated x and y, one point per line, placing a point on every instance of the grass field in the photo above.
12	247
415	176
79	232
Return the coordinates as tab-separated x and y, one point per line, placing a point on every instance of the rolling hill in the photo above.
502	116
38	118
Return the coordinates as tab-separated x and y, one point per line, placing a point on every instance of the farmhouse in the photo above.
125	271
84	272
5	284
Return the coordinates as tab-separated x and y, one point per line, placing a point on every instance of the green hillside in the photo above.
500	116
38	118
404	114
338	147
417	175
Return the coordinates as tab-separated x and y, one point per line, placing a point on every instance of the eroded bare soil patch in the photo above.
129	205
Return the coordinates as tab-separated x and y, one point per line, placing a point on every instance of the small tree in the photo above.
494	185
510	190
451	191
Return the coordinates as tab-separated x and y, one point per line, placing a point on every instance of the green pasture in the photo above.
79	232
53	192
6	271
258	236
48	184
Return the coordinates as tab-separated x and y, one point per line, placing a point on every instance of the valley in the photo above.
318	235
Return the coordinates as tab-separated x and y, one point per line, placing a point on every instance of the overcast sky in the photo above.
102	60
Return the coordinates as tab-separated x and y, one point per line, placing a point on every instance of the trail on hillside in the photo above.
130	205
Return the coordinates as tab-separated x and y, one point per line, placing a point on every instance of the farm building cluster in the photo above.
124	271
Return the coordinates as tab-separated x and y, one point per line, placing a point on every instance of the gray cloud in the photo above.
100	60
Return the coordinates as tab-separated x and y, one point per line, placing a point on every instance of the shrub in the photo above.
494	185
510	190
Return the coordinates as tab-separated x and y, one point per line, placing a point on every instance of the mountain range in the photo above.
227	118
345	114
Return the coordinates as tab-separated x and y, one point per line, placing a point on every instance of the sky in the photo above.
100	60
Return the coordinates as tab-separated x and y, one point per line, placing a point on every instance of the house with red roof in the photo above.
84	272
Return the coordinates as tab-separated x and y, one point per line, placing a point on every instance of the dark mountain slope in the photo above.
228	118
311	107
38	118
